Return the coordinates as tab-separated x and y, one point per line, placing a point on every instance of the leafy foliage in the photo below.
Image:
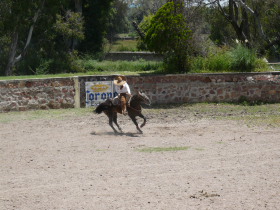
71	26
120	66
255	23
63	32
243	59
169	34
237	59
96	16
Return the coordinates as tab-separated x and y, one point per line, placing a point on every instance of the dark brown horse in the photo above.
133	110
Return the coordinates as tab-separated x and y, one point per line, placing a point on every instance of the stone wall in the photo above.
18	95
21	95
192	88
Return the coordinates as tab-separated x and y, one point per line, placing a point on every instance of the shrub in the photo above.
44	67
239	59
198	63
219	62
213	63
243	59
115	66
261	65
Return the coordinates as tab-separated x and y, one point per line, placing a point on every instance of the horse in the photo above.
133	110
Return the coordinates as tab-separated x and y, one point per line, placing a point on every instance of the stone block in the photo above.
22	108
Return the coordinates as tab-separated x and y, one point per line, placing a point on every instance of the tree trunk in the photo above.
13	59
12	54
78	9
259	25
138	30
238	18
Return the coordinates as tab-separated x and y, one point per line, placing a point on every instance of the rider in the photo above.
123	90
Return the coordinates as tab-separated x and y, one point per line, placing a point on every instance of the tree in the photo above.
71	27
19	23
97	14
246	18
28	31
221	36
168	33
42	36
138	9
118	22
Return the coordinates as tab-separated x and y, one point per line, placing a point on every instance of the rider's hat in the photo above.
120	80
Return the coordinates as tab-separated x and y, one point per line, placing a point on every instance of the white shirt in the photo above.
125	89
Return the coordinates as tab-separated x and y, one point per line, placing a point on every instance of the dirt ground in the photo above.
78	163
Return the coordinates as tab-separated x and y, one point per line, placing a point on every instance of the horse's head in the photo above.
144	98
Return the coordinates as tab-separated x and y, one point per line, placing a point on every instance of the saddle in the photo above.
118	100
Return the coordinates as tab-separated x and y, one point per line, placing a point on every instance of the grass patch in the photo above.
162	149
122	45
139	66
199	149
43	114
95	67
256	115
102	150
238	59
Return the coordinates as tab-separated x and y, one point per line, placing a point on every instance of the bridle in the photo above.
144	99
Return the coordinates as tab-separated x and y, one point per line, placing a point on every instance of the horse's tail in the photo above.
102	107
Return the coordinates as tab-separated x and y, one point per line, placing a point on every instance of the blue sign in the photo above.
98	91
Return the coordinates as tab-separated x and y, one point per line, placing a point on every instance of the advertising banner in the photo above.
98	91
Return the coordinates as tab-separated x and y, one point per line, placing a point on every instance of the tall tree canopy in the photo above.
43	34
96	14
168	33
255	22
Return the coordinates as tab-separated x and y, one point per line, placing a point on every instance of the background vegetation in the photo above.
71	37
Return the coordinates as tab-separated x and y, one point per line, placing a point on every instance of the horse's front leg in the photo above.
144	122
133	118
115	117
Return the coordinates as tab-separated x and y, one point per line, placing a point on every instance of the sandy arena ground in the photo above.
78	163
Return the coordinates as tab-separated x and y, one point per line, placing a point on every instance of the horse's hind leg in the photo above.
110	116
115	117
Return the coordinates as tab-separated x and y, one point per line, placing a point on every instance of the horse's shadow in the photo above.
129	134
